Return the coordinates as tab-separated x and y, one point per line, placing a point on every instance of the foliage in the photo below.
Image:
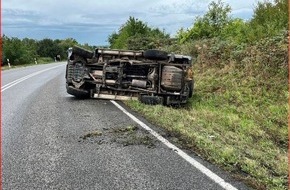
49	48
17	51
43	60
270	18
235	31
26	50
238	115
65	44
131	28
210	25
135	34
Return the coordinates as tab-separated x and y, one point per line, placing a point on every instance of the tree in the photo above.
64	45
17	51
67	43
210	25
49	48
30	46
131	28
135	34
270	18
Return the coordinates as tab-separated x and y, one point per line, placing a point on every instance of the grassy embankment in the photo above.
41	60
237	118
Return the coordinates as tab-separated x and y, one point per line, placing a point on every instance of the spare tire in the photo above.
155	54
82	52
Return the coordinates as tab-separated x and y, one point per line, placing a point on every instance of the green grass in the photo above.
41	60
236	120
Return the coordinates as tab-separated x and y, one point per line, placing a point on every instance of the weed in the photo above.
238	115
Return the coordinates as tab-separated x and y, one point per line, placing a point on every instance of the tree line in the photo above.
269	19
25	51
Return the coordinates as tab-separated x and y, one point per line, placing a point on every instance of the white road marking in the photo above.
9	85
185	156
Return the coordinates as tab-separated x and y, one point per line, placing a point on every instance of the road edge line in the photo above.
181	153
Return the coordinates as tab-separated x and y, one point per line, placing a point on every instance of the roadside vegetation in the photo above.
24	52
237	117
40	60
136	35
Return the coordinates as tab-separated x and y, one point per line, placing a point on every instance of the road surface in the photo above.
50	140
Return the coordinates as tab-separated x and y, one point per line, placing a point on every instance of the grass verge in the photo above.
237	118
245	134
41	60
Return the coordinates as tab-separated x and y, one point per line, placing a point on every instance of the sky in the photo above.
92	21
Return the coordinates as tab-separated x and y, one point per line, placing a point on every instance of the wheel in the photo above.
155	54
82	52
78	93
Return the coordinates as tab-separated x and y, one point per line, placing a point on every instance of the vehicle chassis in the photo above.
152	76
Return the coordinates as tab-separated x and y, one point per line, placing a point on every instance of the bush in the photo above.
246	85
42	60
16	51
136	35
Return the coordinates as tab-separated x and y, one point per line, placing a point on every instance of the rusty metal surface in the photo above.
130	74
172	78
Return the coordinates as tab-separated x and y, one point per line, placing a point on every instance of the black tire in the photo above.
78	93
155	54
82	52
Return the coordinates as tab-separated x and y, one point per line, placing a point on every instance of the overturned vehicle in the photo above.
152	76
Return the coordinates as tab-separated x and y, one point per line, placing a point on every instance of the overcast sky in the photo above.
92	21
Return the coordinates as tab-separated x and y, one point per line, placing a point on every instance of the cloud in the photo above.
98	19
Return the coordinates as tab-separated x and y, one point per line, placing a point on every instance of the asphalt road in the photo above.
50	140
